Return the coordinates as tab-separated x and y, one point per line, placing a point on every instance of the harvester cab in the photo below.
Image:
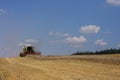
28	49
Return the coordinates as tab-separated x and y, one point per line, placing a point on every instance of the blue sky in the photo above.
59	27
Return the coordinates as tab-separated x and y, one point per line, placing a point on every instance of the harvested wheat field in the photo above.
84	67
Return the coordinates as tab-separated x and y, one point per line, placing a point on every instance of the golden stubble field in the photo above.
85	67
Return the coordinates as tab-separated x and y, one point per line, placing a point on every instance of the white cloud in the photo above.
113	2
59	34
21	44
51	33
2	11
118	45
66	35
80	39
100	42
33	42
90	29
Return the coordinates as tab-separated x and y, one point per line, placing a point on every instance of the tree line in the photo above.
106	51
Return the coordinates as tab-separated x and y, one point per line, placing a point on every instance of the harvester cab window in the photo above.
30	49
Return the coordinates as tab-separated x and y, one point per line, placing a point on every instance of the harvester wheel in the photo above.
22	55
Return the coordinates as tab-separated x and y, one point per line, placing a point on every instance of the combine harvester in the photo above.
28	50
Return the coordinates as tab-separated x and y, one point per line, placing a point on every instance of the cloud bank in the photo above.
80	40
